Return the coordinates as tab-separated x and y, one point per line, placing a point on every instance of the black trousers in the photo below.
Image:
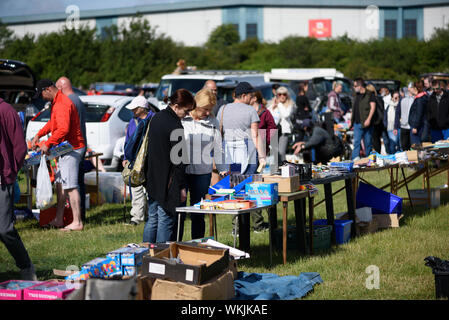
405	139
8	234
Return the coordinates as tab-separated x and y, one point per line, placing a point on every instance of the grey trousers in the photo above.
8	234
138	203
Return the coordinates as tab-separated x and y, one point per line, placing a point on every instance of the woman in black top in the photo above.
165	170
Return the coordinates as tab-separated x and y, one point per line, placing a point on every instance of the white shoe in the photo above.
28	273
356	159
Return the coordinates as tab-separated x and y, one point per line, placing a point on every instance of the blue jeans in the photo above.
439	135
198	186
393	142
359	134
160	225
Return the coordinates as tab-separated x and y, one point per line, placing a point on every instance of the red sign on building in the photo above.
321	28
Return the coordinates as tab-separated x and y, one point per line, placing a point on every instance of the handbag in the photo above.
133	173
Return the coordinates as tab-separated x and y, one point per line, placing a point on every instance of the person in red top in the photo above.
266	119
64	125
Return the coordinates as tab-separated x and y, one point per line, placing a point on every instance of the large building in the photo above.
191	22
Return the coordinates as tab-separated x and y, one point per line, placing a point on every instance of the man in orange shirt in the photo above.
64	125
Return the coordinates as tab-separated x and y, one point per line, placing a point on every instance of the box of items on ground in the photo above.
421	196
321	238
186	263
380	201
342	229
285	184
220	287
110	184
48	290
13	289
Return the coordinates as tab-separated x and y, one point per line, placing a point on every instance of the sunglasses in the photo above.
282	94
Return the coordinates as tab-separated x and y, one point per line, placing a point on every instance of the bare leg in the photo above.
58	221
75	204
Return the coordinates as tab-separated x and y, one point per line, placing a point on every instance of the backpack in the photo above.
133	173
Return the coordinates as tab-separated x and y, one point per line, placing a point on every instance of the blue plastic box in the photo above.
342	229
380	201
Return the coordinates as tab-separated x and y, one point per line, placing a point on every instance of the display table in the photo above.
243	222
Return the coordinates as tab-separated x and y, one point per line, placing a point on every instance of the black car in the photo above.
392	85
17	87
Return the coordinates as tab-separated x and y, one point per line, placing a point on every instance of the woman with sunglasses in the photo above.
282	110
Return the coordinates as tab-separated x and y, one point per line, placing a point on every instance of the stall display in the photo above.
13	289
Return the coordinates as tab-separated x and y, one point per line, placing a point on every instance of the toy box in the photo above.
13	289
49	290
104	268
82	275
129	270
128	256
264	193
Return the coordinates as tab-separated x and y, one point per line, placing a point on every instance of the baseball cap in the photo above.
139	101
242	88
41	85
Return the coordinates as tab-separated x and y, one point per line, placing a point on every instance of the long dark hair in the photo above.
182	97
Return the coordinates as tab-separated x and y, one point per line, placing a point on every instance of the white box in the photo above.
287	171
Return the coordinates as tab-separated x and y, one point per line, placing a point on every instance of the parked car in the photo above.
392	85
116	88
194	81
106	120
226	88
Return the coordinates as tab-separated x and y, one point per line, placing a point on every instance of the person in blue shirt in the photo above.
142	115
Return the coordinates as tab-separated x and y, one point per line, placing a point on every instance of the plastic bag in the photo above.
44	190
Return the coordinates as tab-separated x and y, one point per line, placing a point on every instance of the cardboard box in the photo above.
48	290
13	289
196	265
387	220
264	194
218	288
420	197
412	156
287	171
144	287
366	227
285	185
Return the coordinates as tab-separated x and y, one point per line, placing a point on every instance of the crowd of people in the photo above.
199	139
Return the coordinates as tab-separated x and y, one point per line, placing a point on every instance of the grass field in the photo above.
398	252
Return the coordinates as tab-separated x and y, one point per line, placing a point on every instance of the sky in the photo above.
11	8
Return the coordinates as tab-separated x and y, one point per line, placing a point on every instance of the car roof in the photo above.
105	99
215	74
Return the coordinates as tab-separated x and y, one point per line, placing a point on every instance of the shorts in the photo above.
68	166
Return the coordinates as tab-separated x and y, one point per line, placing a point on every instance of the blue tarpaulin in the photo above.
269	286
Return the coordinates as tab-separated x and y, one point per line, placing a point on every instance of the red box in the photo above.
47	215
15	294
49	290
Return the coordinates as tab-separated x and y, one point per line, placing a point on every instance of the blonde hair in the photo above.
371	88
289	101
206	99
335	84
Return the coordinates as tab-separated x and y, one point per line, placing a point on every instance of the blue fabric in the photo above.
134	136
359	134
160	225
269	286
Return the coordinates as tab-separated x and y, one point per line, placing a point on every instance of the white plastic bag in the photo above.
44	190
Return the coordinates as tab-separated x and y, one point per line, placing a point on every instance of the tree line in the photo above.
138	53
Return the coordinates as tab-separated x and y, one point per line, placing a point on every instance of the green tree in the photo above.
223	36
6	36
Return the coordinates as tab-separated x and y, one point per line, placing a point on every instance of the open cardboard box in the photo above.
197	265
285	184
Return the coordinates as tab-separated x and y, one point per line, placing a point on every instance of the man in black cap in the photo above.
240	124
326	146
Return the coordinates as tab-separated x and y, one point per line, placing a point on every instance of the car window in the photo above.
168	86
125	114
94	113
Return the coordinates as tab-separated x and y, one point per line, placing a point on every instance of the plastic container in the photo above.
321	238
441	284
342	229
380	201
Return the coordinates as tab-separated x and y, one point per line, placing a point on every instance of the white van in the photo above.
194	81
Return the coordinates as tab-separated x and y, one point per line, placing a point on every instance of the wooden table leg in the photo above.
406	187
427	179
330	209
211	225
284	230
300	216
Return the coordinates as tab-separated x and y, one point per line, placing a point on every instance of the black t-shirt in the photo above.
358	98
